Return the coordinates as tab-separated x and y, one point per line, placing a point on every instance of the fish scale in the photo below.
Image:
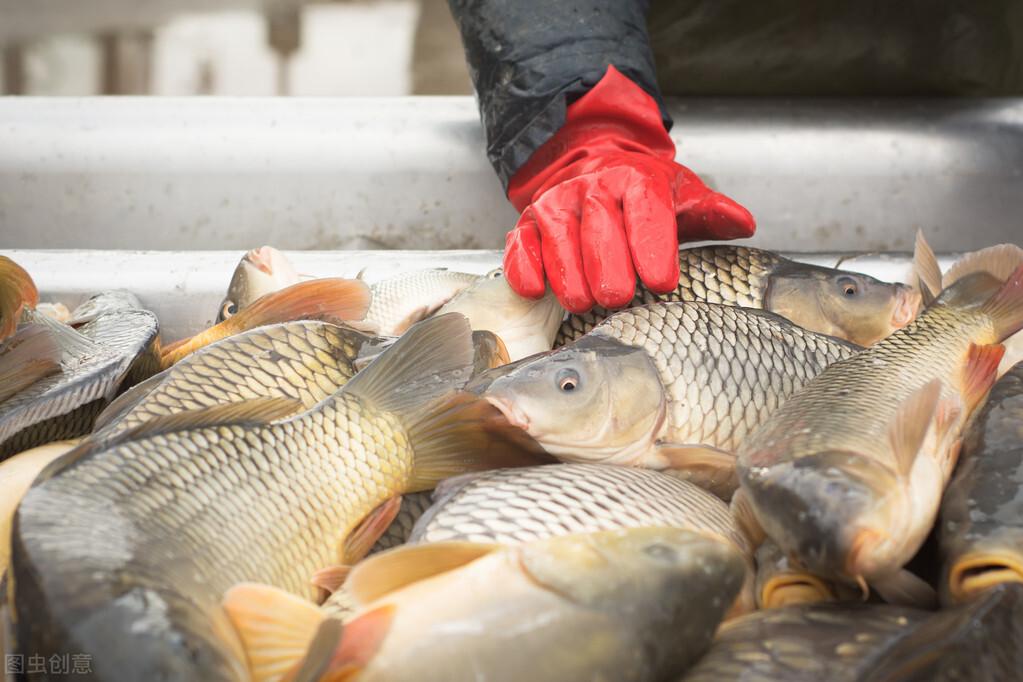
126	548
850	405
520	505
320	359
730	275
724	369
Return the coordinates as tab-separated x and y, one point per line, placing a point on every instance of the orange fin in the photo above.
706	466
388	571
980	372
275	627
999	260
318	299
490	352
331	578
358	543
926	269
911	423
339	653
17	292
31	354
906	589
1005	308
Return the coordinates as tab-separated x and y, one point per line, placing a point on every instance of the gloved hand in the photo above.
603	201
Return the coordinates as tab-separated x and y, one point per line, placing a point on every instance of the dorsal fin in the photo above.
388	571
926	269
911	423
25	358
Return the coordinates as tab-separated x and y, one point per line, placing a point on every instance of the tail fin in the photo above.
452	432
926	269
318	299
17	291
1005	308
275	627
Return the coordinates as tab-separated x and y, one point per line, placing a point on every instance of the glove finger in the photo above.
557	218
652	233
605	251
523	264
715	216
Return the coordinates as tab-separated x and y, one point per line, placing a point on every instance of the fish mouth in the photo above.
512	413
794	588
975	573
262	258
907	305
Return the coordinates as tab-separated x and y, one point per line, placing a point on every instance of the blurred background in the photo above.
230	47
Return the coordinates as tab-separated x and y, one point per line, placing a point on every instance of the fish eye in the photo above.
848	286
497	274
567	380
229	309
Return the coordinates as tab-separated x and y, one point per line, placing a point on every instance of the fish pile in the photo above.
779	471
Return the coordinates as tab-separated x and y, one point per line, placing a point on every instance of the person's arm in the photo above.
529	59
577	132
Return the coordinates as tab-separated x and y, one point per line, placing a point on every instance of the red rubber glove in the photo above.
603	200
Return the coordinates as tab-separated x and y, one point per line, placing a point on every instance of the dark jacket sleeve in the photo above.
530	59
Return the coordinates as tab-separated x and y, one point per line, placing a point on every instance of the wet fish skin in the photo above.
260	271
188	513
633	604
303	360
782	582
659	380
514	506
840	303
807	643
981	520
824	475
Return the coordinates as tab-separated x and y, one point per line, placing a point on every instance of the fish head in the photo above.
526	325
670	586
595	401
989	561
849	305
830	511
260	271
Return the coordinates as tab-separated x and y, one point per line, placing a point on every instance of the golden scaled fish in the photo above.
981	522
664	386
853	642
847	475
17	292
124	550
305	360
260	271
637	604
319	299
849	305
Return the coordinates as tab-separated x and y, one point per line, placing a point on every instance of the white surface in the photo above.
213	173
185	288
